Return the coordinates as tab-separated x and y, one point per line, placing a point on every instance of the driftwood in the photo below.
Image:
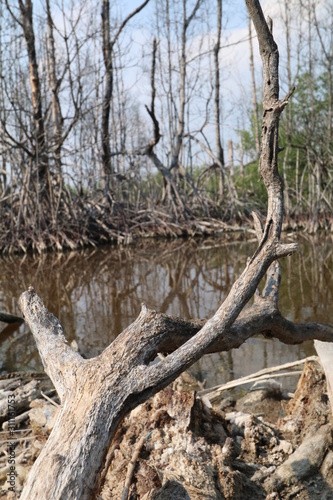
96	394
195	451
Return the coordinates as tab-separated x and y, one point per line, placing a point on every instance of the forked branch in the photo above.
97	393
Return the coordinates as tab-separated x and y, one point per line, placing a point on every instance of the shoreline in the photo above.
127	227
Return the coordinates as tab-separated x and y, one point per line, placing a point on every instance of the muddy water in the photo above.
96	294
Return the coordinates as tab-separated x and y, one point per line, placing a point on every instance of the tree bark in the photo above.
169	182
217	117
182	97
96	394
108	86
42	172
254	93
57	120
108	45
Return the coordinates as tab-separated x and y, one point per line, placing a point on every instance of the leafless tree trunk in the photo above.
41	159
254	92
286	19
108	85
171	190
97	393
231	156
182	97
57	119
217	113
108	45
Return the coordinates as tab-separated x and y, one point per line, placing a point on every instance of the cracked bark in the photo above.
97	393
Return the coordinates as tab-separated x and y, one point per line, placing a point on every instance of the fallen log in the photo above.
204	452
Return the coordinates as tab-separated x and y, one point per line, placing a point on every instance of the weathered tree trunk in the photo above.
108	86
57	120
169	182
217	114
108	45
254	92
96	394
42	171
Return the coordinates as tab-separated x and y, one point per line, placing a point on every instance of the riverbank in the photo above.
89	222
260	443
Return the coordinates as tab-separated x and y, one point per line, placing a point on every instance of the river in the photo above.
97	293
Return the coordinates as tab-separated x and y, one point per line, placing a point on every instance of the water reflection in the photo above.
96	294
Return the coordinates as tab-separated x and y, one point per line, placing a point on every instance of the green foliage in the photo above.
250	187
306	147
248	136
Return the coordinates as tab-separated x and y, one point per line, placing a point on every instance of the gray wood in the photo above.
325	353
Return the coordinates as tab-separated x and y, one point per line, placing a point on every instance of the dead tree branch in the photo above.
97	393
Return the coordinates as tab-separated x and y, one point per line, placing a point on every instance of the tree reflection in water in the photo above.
96	294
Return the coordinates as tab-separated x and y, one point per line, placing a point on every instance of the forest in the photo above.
131	120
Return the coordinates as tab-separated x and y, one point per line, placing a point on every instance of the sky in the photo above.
236	93
234	59
236	90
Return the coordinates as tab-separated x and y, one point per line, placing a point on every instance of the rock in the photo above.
261	474
304	462
264	398
285	447
42	416
238	421
171	490
257	435
226	403
268	388
242	423
229	452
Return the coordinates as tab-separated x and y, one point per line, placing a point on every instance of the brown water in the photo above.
96	294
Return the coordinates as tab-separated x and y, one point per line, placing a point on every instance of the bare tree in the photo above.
217	111
42	174
97	393
254	92
172	167
108	47
57	119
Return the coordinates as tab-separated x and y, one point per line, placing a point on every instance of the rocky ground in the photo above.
263	445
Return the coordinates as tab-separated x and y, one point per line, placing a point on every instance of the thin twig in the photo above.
213	392
18	440
132	464
18	420
49	399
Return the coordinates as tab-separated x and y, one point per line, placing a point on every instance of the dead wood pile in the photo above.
177	445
